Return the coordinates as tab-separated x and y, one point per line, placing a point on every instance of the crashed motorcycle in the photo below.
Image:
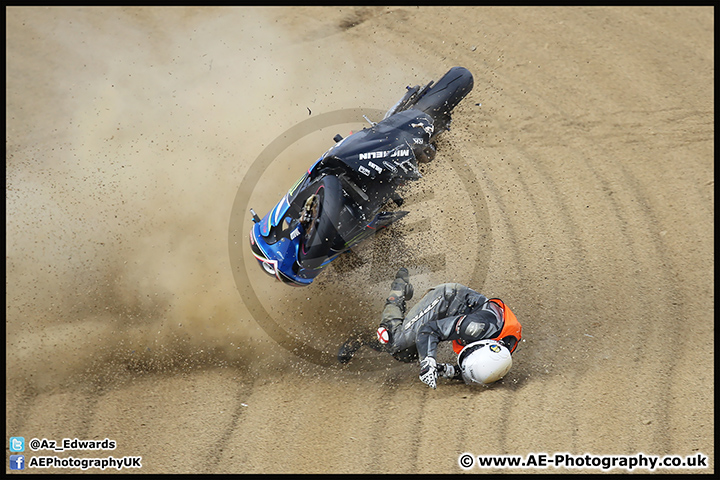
345	196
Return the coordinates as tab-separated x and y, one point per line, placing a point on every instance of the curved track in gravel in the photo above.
577	184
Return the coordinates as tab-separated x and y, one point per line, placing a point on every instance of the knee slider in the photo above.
383	335
385	331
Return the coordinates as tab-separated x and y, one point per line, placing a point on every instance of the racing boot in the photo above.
392	318
403	276
400	290
380	343
348	349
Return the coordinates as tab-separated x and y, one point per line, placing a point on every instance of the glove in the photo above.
428	372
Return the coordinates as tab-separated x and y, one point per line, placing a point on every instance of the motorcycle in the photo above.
339	201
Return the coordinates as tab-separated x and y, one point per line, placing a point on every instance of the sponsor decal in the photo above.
404	152
423	312
389	166
375	167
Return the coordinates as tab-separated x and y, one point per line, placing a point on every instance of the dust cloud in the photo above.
586	144
117	216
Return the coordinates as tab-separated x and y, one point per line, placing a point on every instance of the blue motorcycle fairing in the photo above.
282	256
375	157
279	257
275	239
275	216
272	219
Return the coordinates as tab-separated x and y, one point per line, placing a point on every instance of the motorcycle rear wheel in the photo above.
441	98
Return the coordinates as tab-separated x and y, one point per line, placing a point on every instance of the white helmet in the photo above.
484	362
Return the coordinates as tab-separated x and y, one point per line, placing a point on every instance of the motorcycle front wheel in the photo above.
322	226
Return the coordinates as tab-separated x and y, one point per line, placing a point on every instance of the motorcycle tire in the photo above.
315	249
439	99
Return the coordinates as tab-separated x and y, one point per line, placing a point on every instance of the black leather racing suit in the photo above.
449	311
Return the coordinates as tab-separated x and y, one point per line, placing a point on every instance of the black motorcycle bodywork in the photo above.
340	200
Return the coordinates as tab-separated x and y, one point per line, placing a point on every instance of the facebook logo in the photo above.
17	444
17	462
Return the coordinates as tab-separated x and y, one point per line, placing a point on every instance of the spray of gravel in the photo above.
117	215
